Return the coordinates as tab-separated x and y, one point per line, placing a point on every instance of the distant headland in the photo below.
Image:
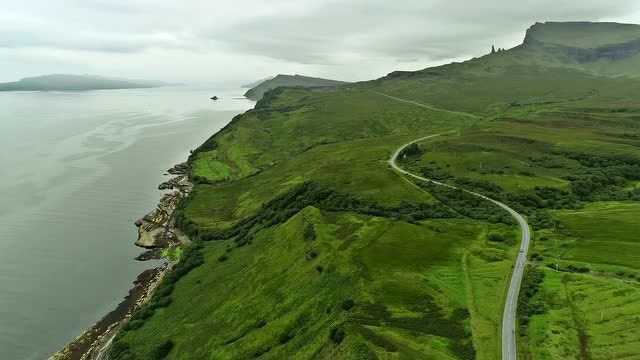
66	82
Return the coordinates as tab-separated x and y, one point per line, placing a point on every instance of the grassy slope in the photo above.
594	314
421	289
520	149
407	282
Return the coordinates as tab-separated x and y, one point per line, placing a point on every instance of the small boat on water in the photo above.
214	98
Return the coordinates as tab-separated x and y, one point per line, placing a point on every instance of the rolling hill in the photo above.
62	82
308	245
257	92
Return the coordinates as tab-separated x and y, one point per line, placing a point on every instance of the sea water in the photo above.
76	170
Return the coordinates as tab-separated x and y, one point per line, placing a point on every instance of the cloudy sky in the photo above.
236	41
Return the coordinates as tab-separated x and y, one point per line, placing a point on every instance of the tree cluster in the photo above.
528	303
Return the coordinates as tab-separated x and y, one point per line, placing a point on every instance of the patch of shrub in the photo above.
162	350
261	323
578	269
285	337
348	304
134	324
463	348
460	314
311	254
413	150
309	232
467	204
435	172
160	302
261	352
223	258
528	303
144	313
376	339
537	257
120	350
337	335
495	237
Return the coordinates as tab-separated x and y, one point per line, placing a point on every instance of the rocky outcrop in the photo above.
551	37
157	228
180	183
179	169
608	52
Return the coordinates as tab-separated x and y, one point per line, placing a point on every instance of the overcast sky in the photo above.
236	41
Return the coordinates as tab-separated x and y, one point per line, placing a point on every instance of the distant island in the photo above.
64	82
256	93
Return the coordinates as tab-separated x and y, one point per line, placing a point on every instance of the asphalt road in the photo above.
509	348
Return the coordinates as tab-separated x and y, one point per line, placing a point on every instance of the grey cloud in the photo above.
350	39
431	29
98	42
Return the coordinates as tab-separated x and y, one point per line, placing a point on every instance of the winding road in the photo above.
509	348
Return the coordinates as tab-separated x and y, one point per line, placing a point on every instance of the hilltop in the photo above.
65	82
257	92
308	245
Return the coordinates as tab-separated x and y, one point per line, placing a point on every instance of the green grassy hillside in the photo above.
308	246
257	92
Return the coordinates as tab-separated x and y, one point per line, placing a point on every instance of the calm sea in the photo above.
76	169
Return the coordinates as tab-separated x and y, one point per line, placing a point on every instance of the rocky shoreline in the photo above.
156	232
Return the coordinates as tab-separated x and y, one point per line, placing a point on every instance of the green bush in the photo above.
311	254
528	303
337	335
495	237
162	350
285	337
309	232
413	150
120	351
348	304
